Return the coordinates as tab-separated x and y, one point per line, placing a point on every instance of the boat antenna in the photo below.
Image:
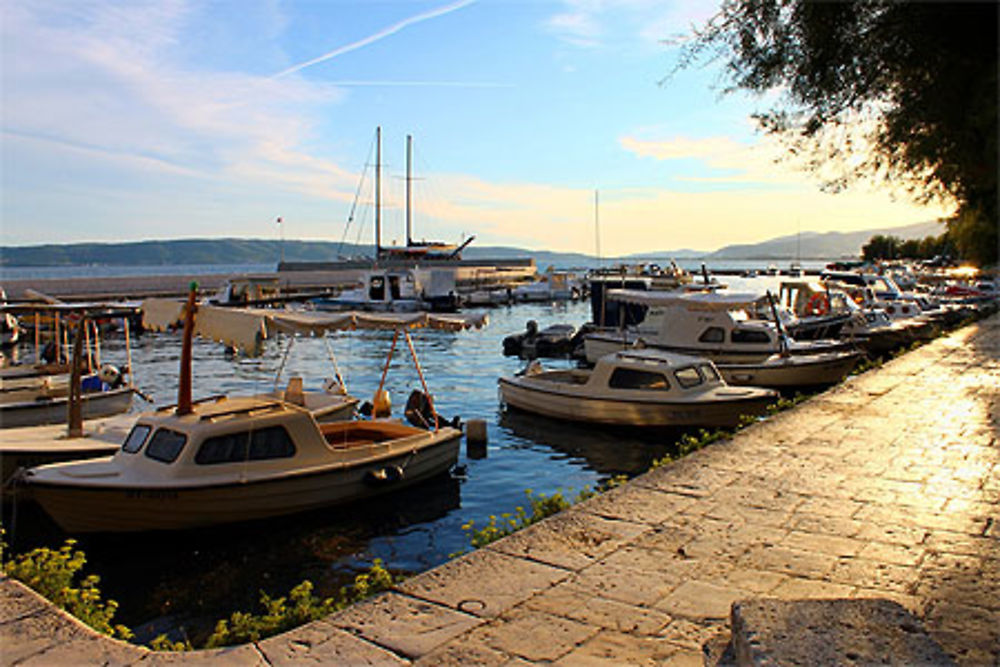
184	382
782	341
597	228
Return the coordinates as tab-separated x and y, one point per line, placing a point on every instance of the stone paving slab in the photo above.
886	487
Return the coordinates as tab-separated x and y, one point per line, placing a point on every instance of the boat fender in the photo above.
386	475
381	404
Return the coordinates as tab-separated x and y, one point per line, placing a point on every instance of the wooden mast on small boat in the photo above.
74	409
184	381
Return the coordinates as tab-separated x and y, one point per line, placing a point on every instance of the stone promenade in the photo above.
887	486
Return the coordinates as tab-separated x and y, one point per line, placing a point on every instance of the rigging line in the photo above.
333	360
357	195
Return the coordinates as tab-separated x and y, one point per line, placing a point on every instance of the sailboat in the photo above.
396	282
416	250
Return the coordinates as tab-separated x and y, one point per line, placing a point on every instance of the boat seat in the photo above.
293	392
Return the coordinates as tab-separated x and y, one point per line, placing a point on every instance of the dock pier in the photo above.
886	486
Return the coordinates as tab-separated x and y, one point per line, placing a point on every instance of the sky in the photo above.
134	119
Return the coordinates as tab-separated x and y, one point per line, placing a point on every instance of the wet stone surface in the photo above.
885	489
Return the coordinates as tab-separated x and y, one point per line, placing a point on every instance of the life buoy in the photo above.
818	304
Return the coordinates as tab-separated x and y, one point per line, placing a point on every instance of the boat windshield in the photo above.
136	437
166	445
711	375
688	377
630	378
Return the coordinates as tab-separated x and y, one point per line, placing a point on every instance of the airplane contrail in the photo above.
422	84
385	32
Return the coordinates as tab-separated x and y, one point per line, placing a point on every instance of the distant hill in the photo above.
810	245
831	245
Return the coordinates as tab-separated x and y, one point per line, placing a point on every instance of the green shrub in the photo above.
542	506
298	608
52	573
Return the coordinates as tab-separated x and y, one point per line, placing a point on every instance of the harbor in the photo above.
889	503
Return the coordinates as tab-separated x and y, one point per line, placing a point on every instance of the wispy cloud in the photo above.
592	24
380	35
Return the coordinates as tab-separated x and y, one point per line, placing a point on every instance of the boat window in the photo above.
394	286
629	378
688	377
264	444
136	438
710	373
376	291
713	335
166	445
750	336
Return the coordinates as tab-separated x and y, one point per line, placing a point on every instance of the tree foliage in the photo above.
903	92
892	247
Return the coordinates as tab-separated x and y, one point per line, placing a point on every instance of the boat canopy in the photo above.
703	301
248	328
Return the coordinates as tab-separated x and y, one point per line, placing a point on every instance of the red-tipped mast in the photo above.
184	382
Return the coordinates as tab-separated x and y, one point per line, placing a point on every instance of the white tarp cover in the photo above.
689	300
247	328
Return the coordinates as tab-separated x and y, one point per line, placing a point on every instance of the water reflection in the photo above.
191	578
608	451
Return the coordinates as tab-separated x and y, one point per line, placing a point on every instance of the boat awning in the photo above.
689	300
248	328
316	323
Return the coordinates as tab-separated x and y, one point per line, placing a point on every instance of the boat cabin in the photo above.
236	439
654	371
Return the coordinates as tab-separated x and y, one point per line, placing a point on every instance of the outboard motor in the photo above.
111	376
419	411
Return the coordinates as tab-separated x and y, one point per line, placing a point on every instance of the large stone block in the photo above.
831	632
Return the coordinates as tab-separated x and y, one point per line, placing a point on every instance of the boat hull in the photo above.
760	370
53	410
792	372
79	508
574	406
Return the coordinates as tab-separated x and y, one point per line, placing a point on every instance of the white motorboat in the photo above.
236	459
643	388
716	326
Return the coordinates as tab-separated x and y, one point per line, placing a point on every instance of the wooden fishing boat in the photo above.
643	388
229	459
236	459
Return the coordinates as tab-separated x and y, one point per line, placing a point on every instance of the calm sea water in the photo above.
189	579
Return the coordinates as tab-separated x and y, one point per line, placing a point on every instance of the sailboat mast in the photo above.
597	227
378	192
409	189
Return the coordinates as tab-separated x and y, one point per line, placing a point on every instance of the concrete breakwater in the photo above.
886	486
